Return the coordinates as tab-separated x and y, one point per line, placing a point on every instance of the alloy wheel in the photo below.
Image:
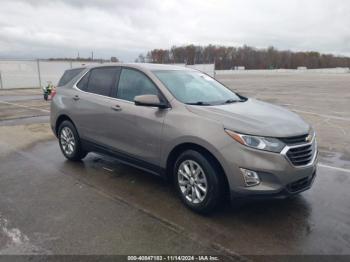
192	181
67	140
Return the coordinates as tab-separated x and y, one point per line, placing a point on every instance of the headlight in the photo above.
311	136
258	142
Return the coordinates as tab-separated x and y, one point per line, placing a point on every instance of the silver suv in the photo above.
181	124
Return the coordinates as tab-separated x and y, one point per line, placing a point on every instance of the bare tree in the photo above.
227	57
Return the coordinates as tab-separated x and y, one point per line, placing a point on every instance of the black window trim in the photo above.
117	84
75	86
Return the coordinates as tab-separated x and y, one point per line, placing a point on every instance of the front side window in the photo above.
134	83
102	80
192	87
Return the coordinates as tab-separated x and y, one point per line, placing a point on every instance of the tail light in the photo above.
53	92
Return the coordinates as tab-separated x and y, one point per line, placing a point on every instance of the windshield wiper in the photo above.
231	101
199	103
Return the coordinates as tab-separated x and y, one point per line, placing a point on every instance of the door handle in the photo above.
76	98
116	108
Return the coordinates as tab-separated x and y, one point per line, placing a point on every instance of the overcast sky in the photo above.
125	28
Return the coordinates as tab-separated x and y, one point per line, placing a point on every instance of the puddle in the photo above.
10	237
13	241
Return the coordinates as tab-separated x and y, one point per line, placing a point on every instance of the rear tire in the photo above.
70	142
198	181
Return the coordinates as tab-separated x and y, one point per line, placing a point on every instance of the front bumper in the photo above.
279	178
291	189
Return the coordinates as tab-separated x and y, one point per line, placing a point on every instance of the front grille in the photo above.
294	139
301	156
300	184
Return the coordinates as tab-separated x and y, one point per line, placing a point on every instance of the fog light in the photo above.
251	178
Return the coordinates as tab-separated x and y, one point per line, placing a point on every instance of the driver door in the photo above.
137	130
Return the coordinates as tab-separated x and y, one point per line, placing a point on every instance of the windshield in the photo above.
192	87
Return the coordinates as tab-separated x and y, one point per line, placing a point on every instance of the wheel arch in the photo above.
179	149
60	120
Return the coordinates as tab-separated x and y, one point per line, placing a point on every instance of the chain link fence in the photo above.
37	73
33	73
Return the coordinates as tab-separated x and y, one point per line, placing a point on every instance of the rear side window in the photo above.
102	80
83	83
134	83
69	75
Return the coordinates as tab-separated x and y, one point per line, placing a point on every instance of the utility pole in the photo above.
92	55
38	66
1	84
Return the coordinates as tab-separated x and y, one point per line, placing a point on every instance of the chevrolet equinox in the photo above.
182	124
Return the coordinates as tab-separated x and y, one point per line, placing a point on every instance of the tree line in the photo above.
228	57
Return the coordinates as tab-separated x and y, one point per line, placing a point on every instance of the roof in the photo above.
147	66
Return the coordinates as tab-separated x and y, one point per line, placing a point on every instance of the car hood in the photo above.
255	118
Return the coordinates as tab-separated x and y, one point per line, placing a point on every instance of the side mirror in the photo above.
149	100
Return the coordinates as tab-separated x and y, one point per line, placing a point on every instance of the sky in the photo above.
126	28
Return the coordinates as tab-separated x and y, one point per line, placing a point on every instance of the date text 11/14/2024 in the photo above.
174	258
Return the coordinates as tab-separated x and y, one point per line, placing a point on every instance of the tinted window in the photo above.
101	80
69	75
83	83
134	83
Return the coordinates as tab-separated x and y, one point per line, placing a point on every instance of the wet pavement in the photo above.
47	211
38	186
99	206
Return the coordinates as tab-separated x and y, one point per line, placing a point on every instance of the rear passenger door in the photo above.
137	130
93	104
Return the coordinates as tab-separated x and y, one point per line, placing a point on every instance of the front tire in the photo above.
198	181
70	142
